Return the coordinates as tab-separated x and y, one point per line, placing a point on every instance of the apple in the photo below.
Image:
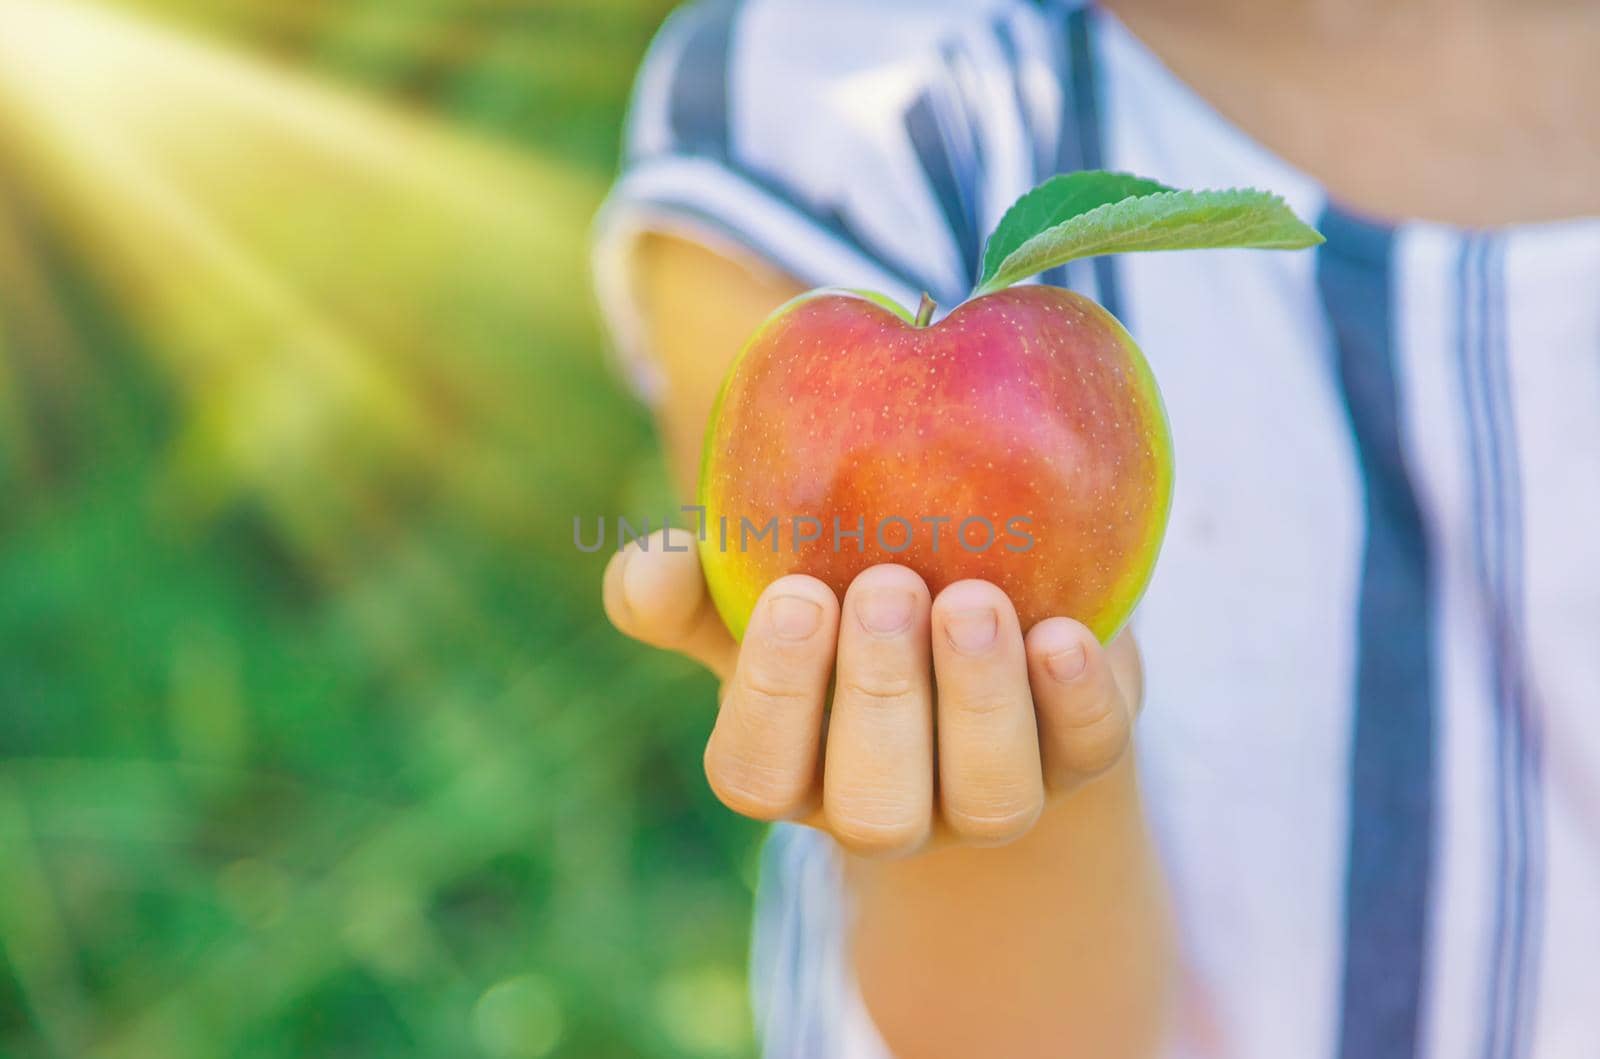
1020	440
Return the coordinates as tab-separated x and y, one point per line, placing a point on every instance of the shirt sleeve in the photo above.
806	1000
849	144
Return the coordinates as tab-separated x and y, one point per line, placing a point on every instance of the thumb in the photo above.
656	593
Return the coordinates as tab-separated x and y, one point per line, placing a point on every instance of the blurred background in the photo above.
313	740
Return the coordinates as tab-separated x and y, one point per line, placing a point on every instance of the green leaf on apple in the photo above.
1092	212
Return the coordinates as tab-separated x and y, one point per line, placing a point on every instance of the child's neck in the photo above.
1470	112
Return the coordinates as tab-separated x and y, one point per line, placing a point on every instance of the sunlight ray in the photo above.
313	333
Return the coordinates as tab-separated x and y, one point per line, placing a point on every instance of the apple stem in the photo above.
925	310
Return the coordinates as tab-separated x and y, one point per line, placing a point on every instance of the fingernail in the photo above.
971	631
1068	664
793	618
885	610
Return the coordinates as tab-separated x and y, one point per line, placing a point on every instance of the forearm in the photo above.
694	347
1056	945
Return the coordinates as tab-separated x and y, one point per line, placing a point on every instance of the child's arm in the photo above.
1053	941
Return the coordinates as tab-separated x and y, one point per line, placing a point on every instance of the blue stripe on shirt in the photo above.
1392	748
697	109
1091	149
1497	538
1080	141
950	186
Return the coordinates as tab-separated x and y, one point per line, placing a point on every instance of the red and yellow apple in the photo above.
1021	440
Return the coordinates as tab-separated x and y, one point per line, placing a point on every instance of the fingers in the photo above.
990	786
761	759
659	596
878	783
1014	717
1084	719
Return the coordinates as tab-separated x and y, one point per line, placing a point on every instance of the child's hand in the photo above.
1019	719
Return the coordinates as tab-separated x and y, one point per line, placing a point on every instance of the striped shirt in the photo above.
1371	745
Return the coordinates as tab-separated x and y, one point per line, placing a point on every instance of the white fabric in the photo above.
1247	628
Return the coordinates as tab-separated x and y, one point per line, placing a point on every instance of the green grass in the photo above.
338	757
